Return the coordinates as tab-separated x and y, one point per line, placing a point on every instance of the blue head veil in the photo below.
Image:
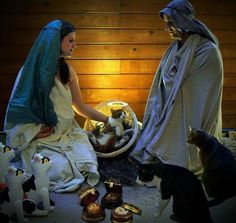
30	102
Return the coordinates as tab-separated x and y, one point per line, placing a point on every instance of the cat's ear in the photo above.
11	170
112	110
195	131
37	158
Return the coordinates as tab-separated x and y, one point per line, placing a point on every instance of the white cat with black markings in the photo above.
116	121
6	155
40	167
114	136
14	179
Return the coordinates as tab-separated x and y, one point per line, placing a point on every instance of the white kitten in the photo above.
113	136
116	121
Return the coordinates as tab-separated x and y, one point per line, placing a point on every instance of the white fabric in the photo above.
68	147
192	98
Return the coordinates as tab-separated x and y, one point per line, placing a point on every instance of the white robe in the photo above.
68	147
186	91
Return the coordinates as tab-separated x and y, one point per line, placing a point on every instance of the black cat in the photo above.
219	174
189	200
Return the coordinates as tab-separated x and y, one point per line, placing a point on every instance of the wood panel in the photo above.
230	80
109	20
129	66
119	81
229	109
107	81
110	51
210	7
201	6
99	51
110	36
59	6
131	81
124	94
109	66
229	122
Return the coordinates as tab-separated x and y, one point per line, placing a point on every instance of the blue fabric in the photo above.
182	14
30	102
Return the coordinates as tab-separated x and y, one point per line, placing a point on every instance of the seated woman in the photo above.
40	116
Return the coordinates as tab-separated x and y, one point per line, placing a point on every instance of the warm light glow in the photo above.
117	104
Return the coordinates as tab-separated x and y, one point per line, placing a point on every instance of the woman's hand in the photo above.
45	131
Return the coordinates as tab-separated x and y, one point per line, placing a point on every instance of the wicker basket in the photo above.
105	107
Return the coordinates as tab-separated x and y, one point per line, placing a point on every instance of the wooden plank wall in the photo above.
120	43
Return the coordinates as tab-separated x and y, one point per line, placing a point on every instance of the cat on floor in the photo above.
14	179
219	173
189	201
6	155
40	166
114	135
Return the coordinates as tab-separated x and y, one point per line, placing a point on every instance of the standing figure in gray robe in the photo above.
41	111
186	91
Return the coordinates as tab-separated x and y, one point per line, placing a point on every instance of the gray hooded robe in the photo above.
186	91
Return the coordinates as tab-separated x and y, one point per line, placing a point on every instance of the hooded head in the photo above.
66	28
30	102
182	16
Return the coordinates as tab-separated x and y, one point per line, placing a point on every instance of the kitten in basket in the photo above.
219	166
115	134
